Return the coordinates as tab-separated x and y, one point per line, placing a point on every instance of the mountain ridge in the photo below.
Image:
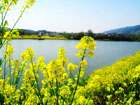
135	30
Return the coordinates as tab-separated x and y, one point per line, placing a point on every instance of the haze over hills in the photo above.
134	30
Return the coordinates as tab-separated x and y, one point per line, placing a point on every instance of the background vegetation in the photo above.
30	34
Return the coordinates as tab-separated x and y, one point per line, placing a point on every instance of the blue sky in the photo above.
78	15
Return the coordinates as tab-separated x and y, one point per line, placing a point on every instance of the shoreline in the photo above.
70	39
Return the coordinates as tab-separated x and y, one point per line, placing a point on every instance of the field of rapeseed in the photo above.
20	82
116	84
58	86
36	37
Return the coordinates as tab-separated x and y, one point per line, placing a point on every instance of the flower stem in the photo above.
77	82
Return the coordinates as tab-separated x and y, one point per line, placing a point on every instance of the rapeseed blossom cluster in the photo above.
7	4
86	45
57	85
28	55
72	67
29	3
61	55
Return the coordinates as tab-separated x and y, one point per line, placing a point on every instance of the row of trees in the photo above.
101	36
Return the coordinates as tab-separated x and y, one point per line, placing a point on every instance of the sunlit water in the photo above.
106	52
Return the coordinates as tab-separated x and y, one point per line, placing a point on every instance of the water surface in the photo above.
106	52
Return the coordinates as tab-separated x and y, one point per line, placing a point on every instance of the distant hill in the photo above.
135	30
39	32
31	32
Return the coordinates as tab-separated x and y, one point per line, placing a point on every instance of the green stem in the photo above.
1	19
13	80
35	75
36	81
4	70
77	82
10	69
57	91
53	92
1	29
71	75
20	76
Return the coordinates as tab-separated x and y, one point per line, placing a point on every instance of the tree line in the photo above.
102	36
78	36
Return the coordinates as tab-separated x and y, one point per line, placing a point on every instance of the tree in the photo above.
78	35
90	33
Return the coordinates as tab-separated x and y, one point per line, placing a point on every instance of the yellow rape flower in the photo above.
65	75
65	91
85	44
82	73
72	67
80	53
28	55
83	63
90	53
28	75
61	52
61	55
10	50
29	3
16	63
70	81
82	100
40	60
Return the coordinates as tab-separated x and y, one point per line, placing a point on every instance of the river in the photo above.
106	52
